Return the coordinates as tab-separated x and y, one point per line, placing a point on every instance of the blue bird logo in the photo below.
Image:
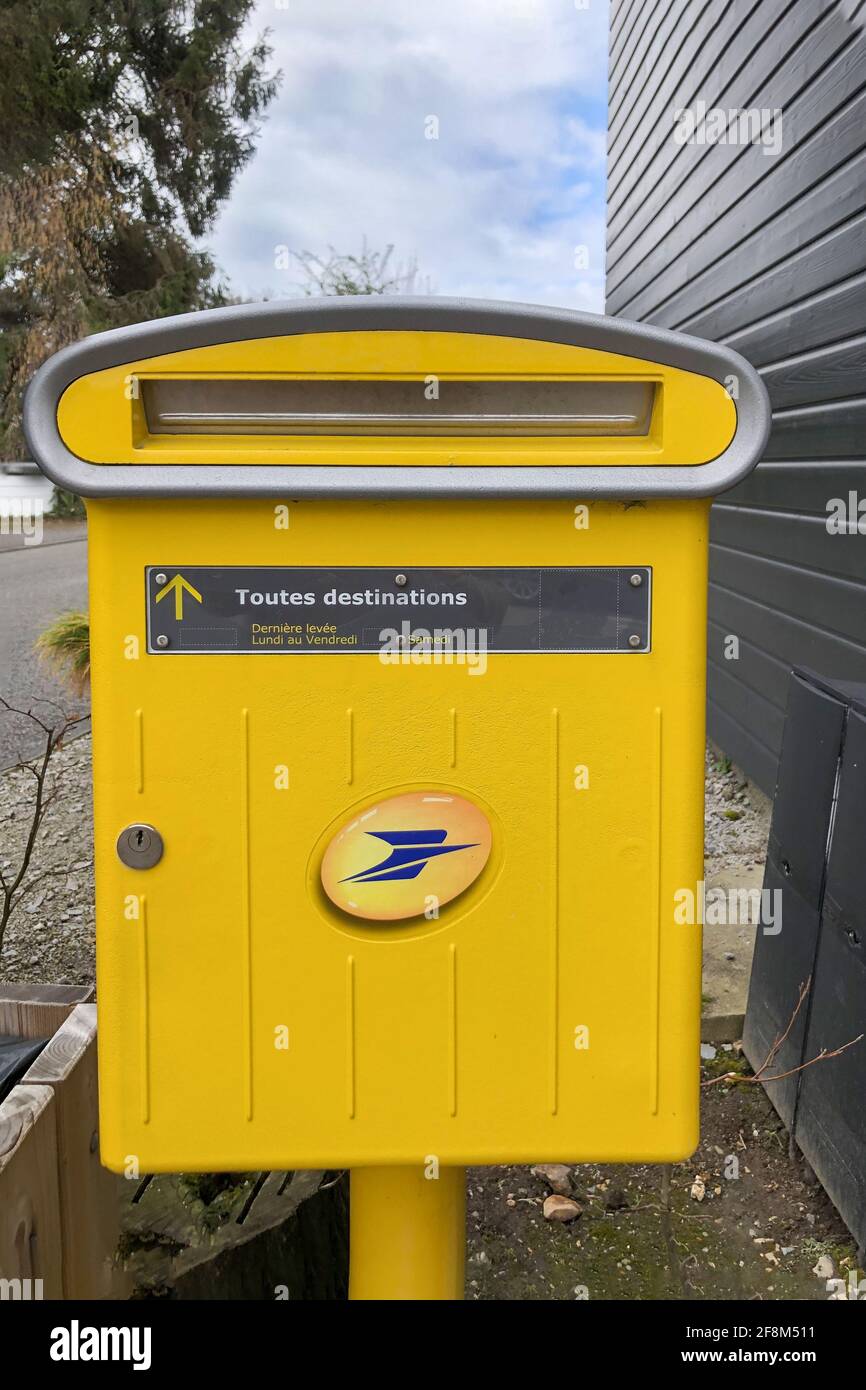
411	851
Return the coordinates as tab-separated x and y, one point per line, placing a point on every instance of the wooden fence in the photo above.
59	1208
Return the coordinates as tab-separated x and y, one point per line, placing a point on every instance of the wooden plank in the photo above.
836	430
89	1194
794	261
823	374
706	224
169	1231
31	1020
786	637
174	1213
822	600
748	707
731	77
48	994
30	1225
767	255
736	192
690	63
285	1243
744	747
804	485
669	207
801	541
622	17
837	312
754	668
645	56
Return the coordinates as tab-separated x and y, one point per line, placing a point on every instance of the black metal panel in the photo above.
768	255
16	1055
831	1107
817	852
784	963
424	613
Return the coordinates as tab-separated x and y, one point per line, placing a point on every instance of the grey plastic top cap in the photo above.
404	313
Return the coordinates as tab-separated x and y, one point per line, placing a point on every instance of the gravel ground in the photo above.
737	818
49	938
742	1219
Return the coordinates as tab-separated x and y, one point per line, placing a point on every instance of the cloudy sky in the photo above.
495	207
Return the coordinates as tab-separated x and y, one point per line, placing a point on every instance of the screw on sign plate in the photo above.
139	846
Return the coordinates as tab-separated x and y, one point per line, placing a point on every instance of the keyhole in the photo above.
139	846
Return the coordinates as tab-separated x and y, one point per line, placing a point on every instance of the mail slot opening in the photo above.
425	406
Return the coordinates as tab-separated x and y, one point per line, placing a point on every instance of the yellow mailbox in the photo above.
398	617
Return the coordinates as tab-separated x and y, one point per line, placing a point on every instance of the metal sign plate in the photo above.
280	610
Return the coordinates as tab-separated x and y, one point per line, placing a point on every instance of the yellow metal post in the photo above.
407	1233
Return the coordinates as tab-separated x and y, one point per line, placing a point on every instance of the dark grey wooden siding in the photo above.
766	253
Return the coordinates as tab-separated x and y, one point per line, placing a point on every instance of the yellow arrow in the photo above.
178	584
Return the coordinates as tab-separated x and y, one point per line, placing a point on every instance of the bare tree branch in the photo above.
783	1037
823	1056
12	884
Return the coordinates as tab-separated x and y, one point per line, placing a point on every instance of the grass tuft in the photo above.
65	647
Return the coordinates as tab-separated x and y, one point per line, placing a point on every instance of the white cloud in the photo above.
494	208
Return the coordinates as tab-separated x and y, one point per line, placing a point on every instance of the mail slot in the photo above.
398	616
395	406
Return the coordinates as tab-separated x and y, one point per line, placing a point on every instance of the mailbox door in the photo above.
551	1009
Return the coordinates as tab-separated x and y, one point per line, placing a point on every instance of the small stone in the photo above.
699	1189
825	1268
556	1175
708	1052
480	1257
615	1200
729	955
562	1209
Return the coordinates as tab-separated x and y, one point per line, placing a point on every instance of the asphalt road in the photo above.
37	583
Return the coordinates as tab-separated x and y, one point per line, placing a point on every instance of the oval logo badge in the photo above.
404	855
